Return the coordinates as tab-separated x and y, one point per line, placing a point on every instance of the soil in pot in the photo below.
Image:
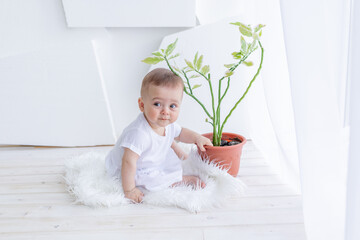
230	141
228	155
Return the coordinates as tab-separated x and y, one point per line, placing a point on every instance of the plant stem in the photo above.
187	81
202	75
251	82
218	113
216	117
215	141
216	120
232	69
220	98
227	88
189	93
171	69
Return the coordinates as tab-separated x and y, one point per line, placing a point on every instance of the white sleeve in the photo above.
136	140
177	129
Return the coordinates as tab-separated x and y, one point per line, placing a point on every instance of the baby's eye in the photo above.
173	106
157	104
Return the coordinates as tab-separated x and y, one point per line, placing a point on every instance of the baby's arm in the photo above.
128	171
188	136
179	151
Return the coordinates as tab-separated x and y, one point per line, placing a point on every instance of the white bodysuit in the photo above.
158	166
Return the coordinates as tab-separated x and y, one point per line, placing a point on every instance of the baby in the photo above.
146	155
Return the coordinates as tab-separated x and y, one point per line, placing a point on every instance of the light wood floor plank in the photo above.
251	191
237	204
46	170
181	220
58	178
148	234
269	232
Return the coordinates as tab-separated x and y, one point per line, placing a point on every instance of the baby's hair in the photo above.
160	77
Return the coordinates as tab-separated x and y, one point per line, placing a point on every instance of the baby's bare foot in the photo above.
190	180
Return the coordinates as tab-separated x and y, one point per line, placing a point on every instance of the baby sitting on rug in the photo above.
146	155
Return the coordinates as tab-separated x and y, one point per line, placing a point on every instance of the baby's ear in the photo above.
141	104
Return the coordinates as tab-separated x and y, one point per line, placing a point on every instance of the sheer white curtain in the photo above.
316	35
316	38
353	185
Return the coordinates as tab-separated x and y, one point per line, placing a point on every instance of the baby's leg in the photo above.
190	180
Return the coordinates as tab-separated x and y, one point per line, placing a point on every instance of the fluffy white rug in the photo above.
87	180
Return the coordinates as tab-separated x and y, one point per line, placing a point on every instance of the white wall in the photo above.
58	84
135	13
50	85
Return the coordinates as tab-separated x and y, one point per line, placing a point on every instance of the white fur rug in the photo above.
88	182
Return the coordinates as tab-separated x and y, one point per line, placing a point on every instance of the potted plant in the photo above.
227	146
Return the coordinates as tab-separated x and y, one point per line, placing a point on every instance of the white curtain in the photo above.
316	38
316	35
353	185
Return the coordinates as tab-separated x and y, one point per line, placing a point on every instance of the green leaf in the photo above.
260	33
205	69
189	64
162	50
195	58
255	36
153	60
176	68
246	31
170	48
157	54
228	73
255	48
174	56
196	86
249	64
186	69
229	65
236	23
258	27
194	76
243	44
237	55
242	25
252	45
199	62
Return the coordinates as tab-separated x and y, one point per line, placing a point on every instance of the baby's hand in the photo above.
135	195
201	141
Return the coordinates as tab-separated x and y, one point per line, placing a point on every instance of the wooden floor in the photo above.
35	205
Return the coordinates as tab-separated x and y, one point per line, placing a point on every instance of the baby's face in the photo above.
161	105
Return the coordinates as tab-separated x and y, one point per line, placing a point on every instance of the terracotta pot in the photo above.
227	157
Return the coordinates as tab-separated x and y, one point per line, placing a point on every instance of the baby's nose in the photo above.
165	110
